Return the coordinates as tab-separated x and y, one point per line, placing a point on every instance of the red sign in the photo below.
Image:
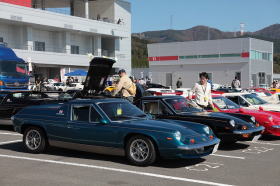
245	54
26	3
164	58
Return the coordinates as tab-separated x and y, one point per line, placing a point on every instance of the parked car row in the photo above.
164	125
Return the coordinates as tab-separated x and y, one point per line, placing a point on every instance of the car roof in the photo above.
160	97
96	100
235	94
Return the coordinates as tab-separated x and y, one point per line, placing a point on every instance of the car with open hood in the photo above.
12	102
228	127
114	127
269	120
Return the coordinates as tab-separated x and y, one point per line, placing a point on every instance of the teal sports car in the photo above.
114	127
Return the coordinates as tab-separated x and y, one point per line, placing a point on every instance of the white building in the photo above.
58	36
251	60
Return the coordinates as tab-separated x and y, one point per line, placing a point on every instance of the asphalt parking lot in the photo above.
243	163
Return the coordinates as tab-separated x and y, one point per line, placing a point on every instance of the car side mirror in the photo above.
150	116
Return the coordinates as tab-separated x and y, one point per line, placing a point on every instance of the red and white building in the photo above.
251	60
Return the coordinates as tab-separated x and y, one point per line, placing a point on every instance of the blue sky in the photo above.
226	15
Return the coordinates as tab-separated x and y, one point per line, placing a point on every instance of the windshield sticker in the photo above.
119	111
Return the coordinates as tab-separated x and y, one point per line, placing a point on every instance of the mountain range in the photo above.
140	40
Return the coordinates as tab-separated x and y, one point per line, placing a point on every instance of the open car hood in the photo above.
98	72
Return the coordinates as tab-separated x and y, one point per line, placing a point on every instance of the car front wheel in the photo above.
140	150
34	140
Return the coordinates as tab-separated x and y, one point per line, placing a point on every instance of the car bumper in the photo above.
191	151
273	130
241	135
250	131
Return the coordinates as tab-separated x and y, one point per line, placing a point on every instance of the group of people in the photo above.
70	80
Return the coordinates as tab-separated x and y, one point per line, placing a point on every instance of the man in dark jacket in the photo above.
179	83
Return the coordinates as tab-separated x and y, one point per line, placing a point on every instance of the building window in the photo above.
260	55
39	46
1	40
261	78
74	49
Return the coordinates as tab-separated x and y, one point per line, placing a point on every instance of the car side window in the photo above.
234	99
14	98
94	115
242	102
80	113
155	108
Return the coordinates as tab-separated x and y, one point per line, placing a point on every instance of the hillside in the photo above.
139	41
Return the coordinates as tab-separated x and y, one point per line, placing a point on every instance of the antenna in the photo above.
242	26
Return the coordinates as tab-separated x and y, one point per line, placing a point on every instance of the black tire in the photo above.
29	142
149	155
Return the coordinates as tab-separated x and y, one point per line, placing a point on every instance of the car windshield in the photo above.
254	100
181	105
58	84
224	103
118	111
13	68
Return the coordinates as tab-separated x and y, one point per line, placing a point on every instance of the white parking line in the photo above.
8	142
12	134
116	170
226	156
262	143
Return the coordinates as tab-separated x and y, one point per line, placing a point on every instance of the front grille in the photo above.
15	85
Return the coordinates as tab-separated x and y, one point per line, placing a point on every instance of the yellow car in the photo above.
277	90
109	89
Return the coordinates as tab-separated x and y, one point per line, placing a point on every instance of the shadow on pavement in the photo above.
178	163
269	138
233	146
6	127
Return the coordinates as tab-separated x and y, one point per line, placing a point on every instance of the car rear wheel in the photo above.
140	151
34	140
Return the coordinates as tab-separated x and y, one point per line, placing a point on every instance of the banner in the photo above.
26	3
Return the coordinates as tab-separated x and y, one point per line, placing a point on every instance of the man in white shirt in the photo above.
202	92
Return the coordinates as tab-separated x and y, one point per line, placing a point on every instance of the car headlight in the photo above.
270	118
177	135
207	130
232	123
253	119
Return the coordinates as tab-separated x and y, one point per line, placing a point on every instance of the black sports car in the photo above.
228	127
12	102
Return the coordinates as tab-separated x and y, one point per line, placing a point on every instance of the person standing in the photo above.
202	92
179	83
235	83
124	86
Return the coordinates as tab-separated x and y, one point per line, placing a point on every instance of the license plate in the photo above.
215	148
256	138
